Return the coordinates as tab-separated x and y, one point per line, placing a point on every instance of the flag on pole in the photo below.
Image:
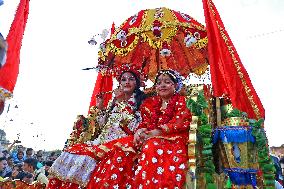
9	72
228	75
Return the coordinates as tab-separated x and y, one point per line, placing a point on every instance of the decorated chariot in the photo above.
227	144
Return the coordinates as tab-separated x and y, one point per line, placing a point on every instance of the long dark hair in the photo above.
139	95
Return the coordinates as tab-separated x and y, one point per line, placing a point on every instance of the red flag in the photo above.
228	74
9	72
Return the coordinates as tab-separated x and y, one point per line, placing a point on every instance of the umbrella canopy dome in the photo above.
155	39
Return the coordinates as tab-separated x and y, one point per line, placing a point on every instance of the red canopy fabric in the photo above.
229	77
9	72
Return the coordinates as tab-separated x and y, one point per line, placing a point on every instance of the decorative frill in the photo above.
240	176
73	168
237	134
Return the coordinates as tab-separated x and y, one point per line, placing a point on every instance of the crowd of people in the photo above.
25	164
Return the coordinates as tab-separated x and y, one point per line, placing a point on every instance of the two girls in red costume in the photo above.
156	156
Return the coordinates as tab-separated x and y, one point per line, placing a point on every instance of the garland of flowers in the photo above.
265	162
204	133
157	117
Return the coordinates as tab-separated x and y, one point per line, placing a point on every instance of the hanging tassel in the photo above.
240	176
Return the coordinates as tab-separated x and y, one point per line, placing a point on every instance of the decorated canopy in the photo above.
161	38
155	39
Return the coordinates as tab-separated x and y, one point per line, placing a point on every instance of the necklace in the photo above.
164	105
162	116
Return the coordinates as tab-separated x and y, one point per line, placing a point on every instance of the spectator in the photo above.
17	170
39	157
29	153
3	171
282	164
28	178
278	173
57	155
10	164
10	161
5	153
20	157
30	165
52	156
25	177
47	166
12	145
16	150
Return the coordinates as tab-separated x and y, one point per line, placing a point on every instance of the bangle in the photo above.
165	128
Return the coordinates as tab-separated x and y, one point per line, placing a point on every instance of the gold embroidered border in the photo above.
53	173
123	51
199	27
144	28
201	43
165	137
237	64
166	24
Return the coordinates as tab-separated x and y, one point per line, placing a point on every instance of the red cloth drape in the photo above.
103	85
228	74
9	72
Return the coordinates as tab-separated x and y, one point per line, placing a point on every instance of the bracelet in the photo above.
165	128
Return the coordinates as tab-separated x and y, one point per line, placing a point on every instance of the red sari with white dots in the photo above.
161	162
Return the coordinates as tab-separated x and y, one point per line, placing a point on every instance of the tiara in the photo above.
118	71
175	75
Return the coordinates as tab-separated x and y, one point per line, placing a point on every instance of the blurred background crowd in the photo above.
24	163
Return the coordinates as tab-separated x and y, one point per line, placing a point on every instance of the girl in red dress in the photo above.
160	160
73	168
